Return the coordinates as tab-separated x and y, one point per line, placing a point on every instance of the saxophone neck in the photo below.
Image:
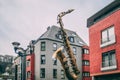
59	17
64	13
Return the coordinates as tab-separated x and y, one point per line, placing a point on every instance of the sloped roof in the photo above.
53	30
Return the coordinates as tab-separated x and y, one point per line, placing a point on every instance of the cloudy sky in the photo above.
25	20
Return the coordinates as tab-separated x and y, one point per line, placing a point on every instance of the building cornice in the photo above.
60	41
105	73
108	10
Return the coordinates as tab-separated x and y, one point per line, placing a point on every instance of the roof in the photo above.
53	31
109	9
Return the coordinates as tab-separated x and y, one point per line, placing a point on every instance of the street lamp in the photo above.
22	53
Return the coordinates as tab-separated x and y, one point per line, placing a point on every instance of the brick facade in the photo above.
30	67
86	66
107	18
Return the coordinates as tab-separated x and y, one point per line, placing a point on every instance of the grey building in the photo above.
45	46
17	65
6	62
6	58
20	68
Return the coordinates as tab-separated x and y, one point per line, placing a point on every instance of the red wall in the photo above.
86	68
95	41
31	67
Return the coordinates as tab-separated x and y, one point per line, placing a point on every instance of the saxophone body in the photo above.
71	69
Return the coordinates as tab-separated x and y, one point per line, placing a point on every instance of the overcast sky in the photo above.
25	20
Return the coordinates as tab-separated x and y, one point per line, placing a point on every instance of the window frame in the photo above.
43	61
55	73
28	74
75	50
54	46
28	63
86	63
86	74
43	46
42	72
85	51
109	38
62	74
55	62
71	39
109	61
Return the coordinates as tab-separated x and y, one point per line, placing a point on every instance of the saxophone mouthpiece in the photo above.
70	10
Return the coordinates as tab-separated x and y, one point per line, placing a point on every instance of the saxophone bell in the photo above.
57	52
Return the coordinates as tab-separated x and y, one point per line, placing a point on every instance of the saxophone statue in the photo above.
71	70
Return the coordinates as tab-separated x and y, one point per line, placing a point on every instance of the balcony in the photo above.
109	65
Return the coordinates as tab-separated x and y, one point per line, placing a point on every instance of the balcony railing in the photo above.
109	65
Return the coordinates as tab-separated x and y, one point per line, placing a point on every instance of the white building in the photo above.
45	45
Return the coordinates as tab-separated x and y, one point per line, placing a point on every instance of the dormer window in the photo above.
58	35
71	39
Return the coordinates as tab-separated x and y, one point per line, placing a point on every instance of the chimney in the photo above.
48	27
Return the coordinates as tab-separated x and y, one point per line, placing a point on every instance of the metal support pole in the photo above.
16	72
23	67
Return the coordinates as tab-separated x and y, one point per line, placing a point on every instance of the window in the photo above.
71	39
43	45
28	74
108	36
55	62
86	62
54	73
109	60
86	74
54	46
85	51
58	35
74	50
19	76
62	74
42	73
1	58
28	63
42	59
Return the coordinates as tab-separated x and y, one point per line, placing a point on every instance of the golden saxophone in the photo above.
71	70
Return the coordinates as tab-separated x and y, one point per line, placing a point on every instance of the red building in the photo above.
86	63
30	72
104	33
30	67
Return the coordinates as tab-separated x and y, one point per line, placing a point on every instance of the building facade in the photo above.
104	33
46	45
6	68
6	58
6	62
18	71
86	63
30	69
